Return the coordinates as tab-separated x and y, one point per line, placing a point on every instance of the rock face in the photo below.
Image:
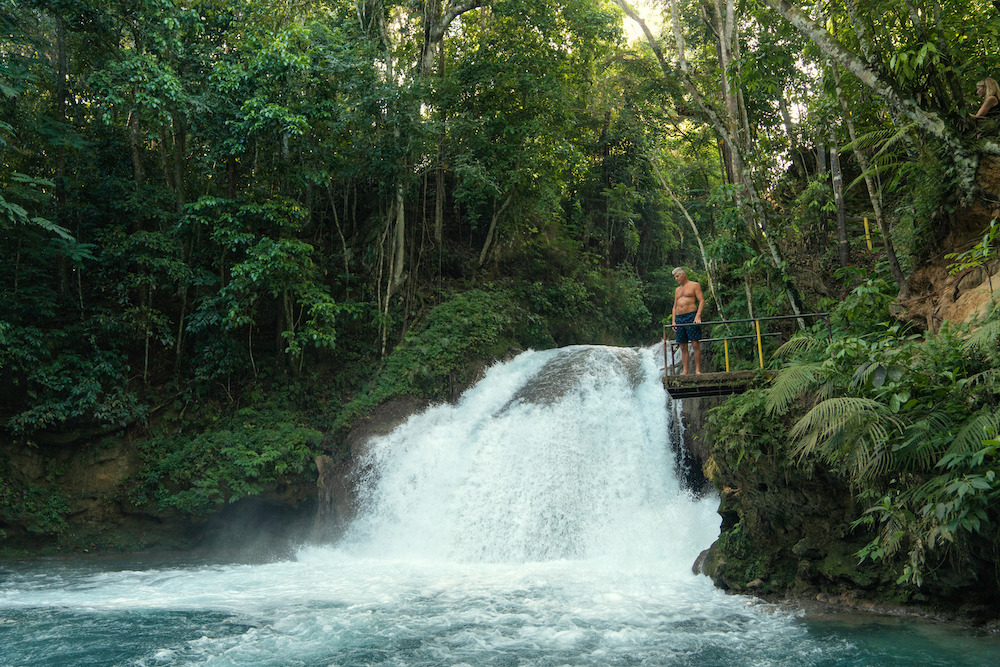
84	485
337	476
788	533
695	450
940	296
88	477
784	530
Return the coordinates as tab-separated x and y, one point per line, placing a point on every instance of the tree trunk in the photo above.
135	144
399	242
62	76
843	247
713	119
180	149
493	226
874	195
798	161
820	157
437	19
749	292
964	162
340	232
439	170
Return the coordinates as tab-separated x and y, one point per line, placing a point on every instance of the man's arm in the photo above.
701	302
673	313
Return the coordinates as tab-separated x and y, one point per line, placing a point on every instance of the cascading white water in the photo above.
536	522
561	454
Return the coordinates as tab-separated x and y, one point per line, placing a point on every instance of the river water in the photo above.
538	521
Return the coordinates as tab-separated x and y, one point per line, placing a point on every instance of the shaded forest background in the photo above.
230	230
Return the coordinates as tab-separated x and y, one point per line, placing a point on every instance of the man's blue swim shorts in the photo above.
690	332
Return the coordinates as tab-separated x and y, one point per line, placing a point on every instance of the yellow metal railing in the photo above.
757	335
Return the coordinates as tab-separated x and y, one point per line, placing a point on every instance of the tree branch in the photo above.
965	163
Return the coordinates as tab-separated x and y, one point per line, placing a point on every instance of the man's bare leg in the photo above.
697	356
684	358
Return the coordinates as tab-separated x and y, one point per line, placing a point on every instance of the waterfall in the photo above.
556	454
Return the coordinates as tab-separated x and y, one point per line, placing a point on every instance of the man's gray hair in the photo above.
679	269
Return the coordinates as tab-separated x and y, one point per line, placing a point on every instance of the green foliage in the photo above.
594	306
911	420
978	254
437	355
83	383
745	435
238	457
39	509
866	305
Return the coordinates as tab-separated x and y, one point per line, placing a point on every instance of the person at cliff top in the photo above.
990	92
686	317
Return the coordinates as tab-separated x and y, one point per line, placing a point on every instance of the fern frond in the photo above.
799	344
984	337
790	384
970	437
846	430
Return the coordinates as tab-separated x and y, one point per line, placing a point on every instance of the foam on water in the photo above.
536	522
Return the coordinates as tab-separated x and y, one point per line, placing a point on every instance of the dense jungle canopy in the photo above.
232	228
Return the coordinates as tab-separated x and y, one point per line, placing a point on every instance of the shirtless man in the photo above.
686	317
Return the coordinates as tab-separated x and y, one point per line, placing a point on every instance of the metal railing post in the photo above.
666	369
760	347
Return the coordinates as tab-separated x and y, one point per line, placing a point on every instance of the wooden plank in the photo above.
713	384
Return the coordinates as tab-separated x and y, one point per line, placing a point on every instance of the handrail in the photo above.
716	340
758	335
754	319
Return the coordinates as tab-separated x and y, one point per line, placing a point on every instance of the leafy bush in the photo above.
38	509
866	305
743	435
436	355
596	306
65	379
912	421
194	474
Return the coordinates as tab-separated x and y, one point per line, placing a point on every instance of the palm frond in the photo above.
970	437
790	384
877	459
984	337
799	344
923	442
882	136
990	376
878	167
848	431
881	160
863	374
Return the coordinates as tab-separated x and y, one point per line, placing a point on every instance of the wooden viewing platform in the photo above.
729	382
713	384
